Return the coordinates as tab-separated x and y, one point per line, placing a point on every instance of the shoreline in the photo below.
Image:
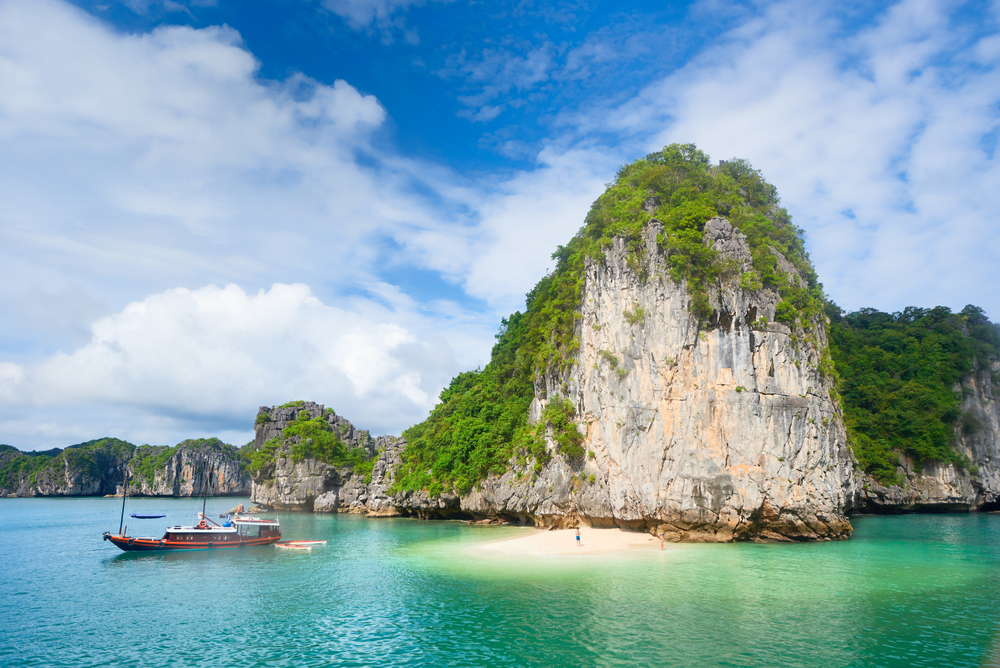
562	543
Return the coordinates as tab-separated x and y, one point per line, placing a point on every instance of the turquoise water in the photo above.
905	591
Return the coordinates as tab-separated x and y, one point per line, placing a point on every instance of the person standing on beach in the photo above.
578	536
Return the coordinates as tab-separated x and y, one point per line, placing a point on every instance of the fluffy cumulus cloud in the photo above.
882	141
137	163
183	356
158	159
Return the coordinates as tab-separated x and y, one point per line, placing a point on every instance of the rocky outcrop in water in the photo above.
944	487
718	432
98	468
306	483
191	468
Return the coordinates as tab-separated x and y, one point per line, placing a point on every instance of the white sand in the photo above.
562	542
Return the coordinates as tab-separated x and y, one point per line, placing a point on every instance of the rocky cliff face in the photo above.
96	472
935	486
310	484
272	421
699	433
192	471
99	468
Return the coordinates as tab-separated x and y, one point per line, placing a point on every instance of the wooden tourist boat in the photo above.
240	531
237	530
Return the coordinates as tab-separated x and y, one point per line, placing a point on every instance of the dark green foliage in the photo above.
259	459
970	424
16	466
897	372
634	316
481	422
149	459
558	415
317	439
262	418
609	357
293	404
90	459
784	312
473	431
690	191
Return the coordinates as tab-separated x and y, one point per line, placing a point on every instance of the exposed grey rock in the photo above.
729	242
711	434
313	485
272	420
192	471
100	471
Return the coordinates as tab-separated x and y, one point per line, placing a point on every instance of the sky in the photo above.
207	206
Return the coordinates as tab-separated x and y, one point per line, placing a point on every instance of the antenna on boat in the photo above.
124	494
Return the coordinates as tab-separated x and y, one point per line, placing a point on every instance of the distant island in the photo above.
680	372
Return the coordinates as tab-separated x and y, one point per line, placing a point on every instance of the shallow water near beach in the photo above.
921	590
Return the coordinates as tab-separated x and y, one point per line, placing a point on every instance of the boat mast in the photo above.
204	492
124	494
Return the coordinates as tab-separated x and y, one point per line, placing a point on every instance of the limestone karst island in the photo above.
680	372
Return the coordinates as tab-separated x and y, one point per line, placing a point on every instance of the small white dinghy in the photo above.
313	543
291	546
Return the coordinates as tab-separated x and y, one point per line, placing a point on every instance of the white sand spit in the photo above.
562	542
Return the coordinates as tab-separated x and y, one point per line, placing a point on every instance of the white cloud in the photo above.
136	163
147	161
361	13
531	215
218	353
495	73
881	143
384	15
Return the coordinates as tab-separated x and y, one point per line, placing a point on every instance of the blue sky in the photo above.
209	206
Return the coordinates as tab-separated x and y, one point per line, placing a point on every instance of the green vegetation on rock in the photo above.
558	415
309	438
149	459
480	424
896	374
91	459
17	466
472	432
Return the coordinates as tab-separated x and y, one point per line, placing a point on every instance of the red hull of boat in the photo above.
153	545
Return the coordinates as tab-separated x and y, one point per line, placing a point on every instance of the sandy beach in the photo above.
562	542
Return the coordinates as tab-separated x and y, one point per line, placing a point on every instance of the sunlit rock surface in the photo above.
717	432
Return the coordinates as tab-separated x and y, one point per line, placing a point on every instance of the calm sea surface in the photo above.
904	591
